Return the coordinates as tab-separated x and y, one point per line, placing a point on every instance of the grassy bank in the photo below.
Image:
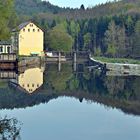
117	60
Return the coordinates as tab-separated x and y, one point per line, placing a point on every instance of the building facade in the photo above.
29	39
6	47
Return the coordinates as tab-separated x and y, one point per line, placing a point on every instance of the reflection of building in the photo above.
29	39
31	79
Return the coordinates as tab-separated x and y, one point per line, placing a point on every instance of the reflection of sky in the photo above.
77	3
68	119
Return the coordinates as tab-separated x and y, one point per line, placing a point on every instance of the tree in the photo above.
136	44
110	39
115	40
7	18
59	40
97	51
9	129
87	41
82	7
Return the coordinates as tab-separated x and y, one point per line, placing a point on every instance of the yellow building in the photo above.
29	39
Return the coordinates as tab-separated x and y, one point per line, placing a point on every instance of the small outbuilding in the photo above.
6	47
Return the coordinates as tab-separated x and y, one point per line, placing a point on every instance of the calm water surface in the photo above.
67	105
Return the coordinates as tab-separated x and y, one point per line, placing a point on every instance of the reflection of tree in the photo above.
57	80
9	129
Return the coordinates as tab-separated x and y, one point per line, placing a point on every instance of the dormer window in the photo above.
31	25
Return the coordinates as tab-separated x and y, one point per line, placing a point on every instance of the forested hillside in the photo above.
7	18
32	7
111	29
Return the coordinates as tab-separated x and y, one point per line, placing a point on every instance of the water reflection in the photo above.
77	109
47	82
31	79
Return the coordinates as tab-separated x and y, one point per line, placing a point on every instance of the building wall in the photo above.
30	40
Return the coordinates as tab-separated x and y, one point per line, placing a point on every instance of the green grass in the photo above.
3	84
117	60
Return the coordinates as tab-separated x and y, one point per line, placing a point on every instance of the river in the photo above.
41	103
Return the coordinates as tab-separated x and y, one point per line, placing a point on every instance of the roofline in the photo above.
18	30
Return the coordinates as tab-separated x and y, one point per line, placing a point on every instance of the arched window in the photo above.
28	30
33	30
38	30
1	49
8	49
23	30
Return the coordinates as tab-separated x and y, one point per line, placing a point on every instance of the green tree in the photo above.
115	40
136	44
7	18
87	40
110	39
97	51
59	40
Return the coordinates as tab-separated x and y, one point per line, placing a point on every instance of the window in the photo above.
1	49
38	30
33	30
28	30
31	25
8	49
32	85
27	85
23	30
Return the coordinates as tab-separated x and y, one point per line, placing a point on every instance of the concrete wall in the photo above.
132	69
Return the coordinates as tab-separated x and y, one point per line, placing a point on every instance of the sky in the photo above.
76	3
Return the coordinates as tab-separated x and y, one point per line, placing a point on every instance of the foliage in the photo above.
59	40
112	28
9	129
7	18
97	51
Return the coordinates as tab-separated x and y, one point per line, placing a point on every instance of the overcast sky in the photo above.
76	3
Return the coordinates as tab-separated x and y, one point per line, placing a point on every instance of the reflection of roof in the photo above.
21	26
5	43
17	86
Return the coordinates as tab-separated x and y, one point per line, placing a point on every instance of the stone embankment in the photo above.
27	61
130	69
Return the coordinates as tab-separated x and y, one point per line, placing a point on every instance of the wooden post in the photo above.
59	61
74	61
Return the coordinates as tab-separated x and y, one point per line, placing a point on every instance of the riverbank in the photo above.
121	66
117	60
